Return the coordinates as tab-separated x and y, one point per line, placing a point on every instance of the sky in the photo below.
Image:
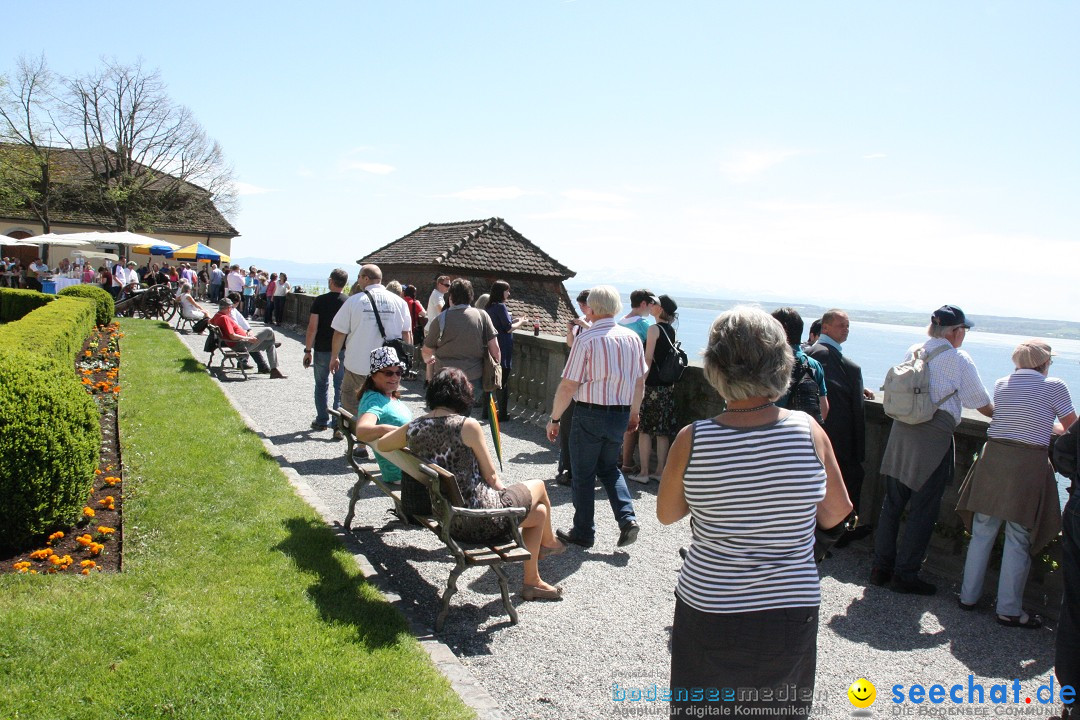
895	155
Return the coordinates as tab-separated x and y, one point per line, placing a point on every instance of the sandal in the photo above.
559	549
964	606
1028	622
643	479
532	592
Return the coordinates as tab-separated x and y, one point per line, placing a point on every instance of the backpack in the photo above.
672	366
907	389
803	392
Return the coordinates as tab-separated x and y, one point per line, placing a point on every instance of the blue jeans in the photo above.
595	441
321	366
1067	661
925	504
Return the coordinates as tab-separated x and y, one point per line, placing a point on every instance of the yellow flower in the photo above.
88	564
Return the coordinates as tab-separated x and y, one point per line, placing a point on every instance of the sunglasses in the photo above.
393	373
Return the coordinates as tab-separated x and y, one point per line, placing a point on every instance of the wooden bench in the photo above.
238	357
446	504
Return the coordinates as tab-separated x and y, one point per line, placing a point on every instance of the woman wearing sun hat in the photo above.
381	410
1013	482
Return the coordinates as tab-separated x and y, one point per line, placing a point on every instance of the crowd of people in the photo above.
770	483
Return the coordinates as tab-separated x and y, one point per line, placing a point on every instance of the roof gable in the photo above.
475	245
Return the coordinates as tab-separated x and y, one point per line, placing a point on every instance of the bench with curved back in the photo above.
238	357
446	504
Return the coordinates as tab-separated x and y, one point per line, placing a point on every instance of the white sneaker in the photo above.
643	479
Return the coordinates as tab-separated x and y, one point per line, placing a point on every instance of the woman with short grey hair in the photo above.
757	480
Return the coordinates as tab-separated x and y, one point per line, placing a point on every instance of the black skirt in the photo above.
729	661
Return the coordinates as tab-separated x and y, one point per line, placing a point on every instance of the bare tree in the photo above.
26	132
145	155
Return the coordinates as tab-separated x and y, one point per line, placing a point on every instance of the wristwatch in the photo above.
554	421
307	351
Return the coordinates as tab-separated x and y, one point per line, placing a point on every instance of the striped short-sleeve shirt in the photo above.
607	359
753	495
1026	404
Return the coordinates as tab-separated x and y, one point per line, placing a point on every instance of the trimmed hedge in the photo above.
14	304
50	438
106	306
56	331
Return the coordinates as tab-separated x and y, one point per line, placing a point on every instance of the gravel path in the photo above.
562	659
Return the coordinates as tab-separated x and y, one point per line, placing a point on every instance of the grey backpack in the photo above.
907	389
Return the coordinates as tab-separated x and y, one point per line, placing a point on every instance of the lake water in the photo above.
877	347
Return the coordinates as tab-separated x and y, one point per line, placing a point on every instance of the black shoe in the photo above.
564	479
915	586
964	606
628	533
880	576
567	536
360	452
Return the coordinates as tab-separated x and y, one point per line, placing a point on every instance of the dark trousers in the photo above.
923	507
1067	660
768	658
852	471
565	423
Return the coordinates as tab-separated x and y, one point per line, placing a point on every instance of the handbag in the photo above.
492	373
404	350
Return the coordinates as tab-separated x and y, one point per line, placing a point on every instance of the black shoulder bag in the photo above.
403	349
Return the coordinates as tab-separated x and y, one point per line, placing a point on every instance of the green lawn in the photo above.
235	601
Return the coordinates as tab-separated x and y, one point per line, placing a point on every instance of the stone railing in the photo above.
538	365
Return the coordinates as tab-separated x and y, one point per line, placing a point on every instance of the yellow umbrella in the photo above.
201	252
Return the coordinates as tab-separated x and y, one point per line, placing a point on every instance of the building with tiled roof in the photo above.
481	251
193	222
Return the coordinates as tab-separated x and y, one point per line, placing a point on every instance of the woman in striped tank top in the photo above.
756	480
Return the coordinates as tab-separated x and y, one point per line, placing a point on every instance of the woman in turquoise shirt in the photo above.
381	410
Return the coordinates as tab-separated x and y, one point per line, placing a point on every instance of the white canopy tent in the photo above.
114	238
91	255
54	239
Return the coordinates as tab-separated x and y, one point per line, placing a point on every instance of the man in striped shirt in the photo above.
605	376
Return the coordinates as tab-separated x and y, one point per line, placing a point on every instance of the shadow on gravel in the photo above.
323	466
883	619
336	594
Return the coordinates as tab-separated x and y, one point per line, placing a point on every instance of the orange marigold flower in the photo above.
88	512
106	530
56	536
112	480
97	471
84	571
107	500
22	566
55	559
41	554
84	540
95	548
88	564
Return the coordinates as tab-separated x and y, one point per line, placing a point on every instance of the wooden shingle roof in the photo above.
474	245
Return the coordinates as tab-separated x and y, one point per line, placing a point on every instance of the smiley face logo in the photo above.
862	693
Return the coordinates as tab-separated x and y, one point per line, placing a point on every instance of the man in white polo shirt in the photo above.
355	328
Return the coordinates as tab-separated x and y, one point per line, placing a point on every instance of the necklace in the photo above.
746	410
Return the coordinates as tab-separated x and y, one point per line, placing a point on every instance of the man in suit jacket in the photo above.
845	424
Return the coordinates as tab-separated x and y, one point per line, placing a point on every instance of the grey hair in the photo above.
395	287
748	355
939	331
604	300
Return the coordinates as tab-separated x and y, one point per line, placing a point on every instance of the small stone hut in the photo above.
481	251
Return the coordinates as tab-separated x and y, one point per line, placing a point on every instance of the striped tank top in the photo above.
753	495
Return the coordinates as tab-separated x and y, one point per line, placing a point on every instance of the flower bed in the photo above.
93	544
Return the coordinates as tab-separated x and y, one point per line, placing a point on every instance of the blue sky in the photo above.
862	154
